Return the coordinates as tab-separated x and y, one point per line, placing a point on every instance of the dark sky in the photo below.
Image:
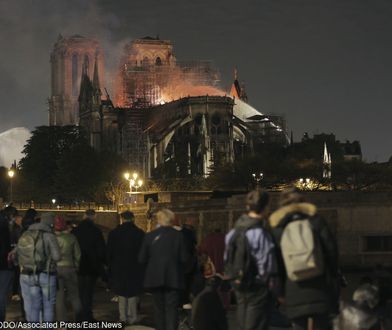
325	64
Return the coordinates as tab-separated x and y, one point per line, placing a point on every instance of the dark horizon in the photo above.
326	67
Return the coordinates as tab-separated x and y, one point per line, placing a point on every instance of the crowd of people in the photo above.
279	268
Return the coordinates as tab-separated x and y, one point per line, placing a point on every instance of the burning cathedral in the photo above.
166	116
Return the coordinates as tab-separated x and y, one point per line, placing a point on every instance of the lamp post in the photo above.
134	182
304	183
258	177
53	202
11	174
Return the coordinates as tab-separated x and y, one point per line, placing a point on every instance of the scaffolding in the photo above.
148	85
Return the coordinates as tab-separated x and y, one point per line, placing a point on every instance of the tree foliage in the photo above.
59	163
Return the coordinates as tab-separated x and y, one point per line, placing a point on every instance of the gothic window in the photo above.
145	61
216	119
158	61
75	75
87	62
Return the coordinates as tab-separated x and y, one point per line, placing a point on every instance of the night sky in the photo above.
325	64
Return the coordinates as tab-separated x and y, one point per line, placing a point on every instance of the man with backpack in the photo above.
309	258
250	263
37	252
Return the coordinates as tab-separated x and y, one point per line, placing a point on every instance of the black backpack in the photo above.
31	252
240	265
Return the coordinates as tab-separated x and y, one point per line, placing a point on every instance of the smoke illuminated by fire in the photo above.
175	92
140	84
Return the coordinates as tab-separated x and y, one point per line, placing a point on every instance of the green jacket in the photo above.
70	250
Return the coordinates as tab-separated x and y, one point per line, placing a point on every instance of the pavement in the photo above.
106	310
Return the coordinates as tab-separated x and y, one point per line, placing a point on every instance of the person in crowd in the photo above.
164	253
250	263
207	309
31	216
125	272
310	276
188	230
213	246
16	232
37	253
92	261
5	270
361	313
67	268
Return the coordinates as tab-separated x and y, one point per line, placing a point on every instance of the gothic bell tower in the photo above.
69	57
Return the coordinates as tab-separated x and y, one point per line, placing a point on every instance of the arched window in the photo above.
158	61
75	74
145	61
87	62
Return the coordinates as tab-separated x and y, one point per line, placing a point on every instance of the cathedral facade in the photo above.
167	117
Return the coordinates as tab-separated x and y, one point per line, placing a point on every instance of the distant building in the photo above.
327	145
352	150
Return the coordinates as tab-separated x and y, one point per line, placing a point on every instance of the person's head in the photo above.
31	214
367	295
60	224
165	217
10	212
127	216
290	196
89	214
214	282
257	201
18	220
47	218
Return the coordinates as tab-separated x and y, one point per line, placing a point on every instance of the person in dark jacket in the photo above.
5	271
189	233
313	300
207	309
164	254
92	261
125	272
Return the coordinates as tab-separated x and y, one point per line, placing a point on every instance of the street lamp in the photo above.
304	183
258	177
134	182
11	174
53	201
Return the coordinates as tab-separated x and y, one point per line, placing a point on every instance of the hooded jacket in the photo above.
52	248
318	295
70	250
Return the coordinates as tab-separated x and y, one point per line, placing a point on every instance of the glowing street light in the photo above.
258	177
11	174
134	182
304	183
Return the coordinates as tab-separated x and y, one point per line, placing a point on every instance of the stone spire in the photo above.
96	84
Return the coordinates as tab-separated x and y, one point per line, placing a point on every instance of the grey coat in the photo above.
51	245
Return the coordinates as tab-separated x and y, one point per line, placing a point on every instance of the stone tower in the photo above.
145	68
67	59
